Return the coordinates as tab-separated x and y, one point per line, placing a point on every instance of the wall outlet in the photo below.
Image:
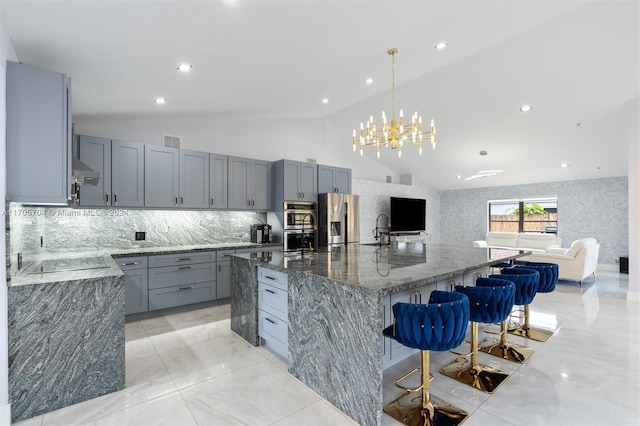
140	236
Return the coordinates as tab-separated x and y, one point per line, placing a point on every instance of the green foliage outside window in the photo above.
533	208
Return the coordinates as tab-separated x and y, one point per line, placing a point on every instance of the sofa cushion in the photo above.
577	245
502	239
536	241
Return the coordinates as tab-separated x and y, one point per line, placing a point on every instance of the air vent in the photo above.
171	141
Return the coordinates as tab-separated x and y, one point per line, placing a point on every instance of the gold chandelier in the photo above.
396	133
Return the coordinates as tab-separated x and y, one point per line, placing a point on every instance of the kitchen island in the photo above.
339	301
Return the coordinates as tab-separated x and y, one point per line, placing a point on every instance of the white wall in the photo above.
294	139
6	52
634	201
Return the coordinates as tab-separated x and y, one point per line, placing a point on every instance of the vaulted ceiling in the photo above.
575	62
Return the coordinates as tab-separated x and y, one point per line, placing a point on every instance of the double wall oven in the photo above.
300	227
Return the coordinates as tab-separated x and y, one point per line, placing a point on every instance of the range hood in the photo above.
83	174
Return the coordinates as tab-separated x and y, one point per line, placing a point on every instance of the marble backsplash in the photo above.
36	231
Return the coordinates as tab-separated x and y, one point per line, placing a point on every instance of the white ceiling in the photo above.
575	62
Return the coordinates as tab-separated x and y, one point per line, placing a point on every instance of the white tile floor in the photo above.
190	369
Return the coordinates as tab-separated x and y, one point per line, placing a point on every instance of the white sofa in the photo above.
520	241
575	263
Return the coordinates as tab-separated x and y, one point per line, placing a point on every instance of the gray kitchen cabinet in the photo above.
136	284
334	179
273	312
218	181
295	181
249	184
223	274
96	153
38	135
194	179
161	179
127	174
181	279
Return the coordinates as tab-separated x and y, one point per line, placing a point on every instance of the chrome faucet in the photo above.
384	237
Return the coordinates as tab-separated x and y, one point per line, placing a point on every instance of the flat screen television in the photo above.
407	214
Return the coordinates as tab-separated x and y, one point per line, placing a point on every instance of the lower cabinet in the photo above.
136	284
223	274
181	279
273	299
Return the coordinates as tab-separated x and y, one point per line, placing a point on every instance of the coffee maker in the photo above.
261	233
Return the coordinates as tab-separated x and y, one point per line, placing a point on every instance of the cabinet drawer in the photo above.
274	331
130	263
179	275
181	295
181	259
274	278
223	255
273	300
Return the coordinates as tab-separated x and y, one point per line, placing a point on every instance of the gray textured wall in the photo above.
374	199
586	208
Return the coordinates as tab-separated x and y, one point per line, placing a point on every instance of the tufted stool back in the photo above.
438	326
548	275
490	301
526	282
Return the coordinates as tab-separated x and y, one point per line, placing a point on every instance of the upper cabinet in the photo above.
121	167
127	174
194	179
218	181
295	181
96	153
334	179
249	184
161	176
38	125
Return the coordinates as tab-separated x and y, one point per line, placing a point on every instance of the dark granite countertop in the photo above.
99	264
389	269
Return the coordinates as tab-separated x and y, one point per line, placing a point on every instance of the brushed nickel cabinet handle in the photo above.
182	259
180	268
185	288
270	291
115	198
270	320
107	198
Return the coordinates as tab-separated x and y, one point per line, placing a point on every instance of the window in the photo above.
527	215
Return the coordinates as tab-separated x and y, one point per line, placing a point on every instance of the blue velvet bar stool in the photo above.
490	301
548	280
440	325
526	286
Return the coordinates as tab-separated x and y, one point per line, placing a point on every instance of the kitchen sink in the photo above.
62	265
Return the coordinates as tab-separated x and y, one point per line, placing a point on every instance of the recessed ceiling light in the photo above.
459	177
368	81
526	108
325	100
184	67
441	45
161	101
564	165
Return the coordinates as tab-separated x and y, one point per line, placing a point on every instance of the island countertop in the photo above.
392	268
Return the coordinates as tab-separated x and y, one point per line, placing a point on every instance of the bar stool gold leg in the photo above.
472	373
525	330
423	409
505	349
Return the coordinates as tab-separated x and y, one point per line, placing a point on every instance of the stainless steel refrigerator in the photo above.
338	216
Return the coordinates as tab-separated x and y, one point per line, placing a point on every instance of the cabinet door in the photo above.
308	182
136	291
223	274
239	196
96	153
218	181
160	176
127	174
342	180
325	179
223	280
261	195
38	138
194	179
291	181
